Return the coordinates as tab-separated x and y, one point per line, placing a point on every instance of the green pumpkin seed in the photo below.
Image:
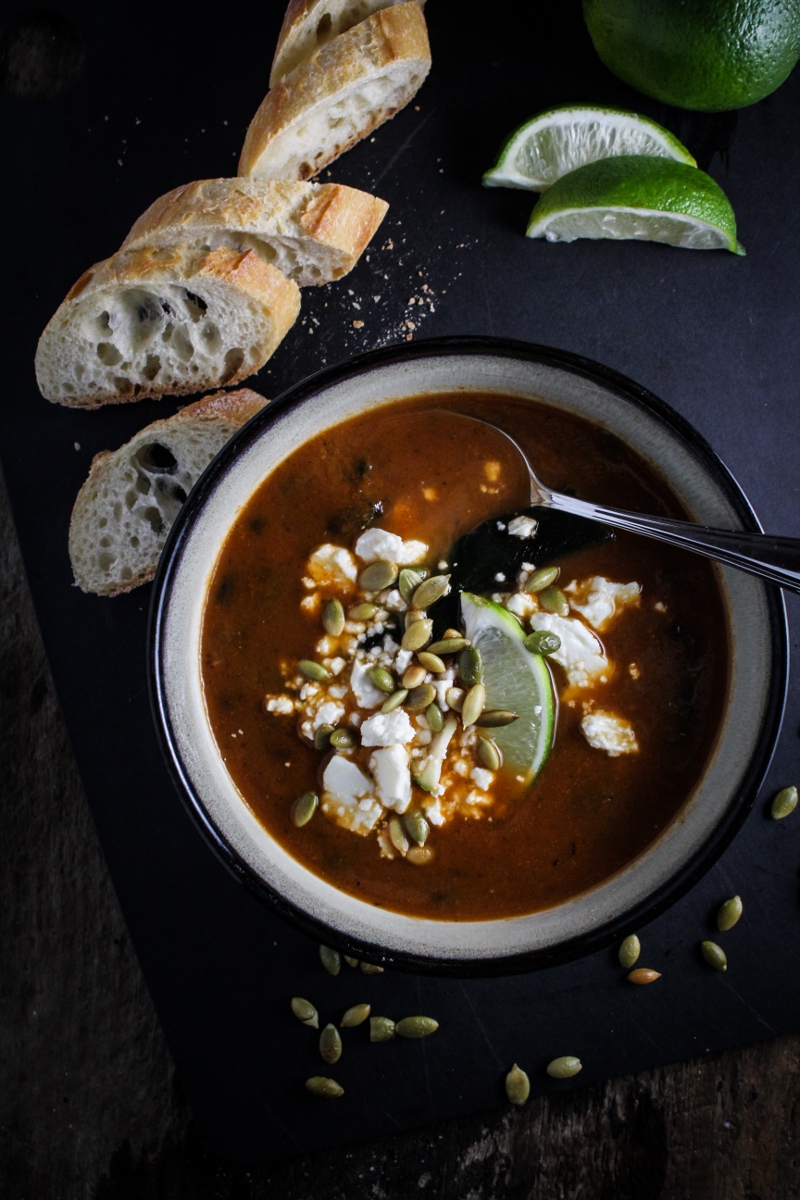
382	679
416	827
431	662
356	1015
433	715
488	753
409	580
629	951
313	670
564	1067
430	591
416	1027
496	718
323	736
414	676
420	856
784	803
304	808
362	612
351	962
541	579
553	600
412	616
394	701
381	1029
304	1011
729	913
417	634
518	1086
343	739
370	968
470	665
333	618
378	575
397	835
320	1085
714	955
473	704
455	698
449	645
420	697
542	642
330	1044
330	959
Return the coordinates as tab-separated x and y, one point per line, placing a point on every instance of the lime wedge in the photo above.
558	141
650	199
515	680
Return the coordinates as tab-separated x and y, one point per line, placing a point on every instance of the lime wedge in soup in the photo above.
634	197
558	141
515	680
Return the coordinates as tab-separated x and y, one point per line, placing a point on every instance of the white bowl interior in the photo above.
206	775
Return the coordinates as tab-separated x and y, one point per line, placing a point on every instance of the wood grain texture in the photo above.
90	1108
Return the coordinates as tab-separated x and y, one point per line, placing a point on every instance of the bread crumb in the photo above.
77	445
358	324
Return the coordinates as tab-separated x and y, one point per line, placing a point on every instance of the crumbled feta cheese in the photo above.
580	654
390	770
329	713
522	527
433	811
386	729
499	577
332	566
482	777
501	526
395	602
403	660
377	543
521	604
598	600
325	646
310	604
279	704
347	796
605	731
336	665
491	470
634	671
364	690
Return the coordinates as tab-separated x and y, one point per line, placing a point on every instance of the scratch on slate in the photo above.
480	1024
644	1033
402	149
750	1008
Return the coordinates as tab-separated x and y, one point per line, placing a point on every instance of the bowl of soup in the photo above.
444	752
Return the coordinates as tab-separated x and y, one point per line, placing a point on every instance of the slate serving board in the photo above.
164	98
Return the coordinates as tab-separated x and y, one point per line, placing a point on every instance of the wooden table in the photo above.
91	1107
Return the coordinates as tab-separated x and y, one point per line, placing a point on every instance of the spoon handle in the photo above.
774	558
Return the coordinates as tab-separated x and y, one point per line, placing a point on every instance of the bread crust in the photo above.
390	35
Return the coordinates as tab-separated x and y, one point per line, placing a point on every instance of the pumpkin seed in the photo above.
420	856
351	962
643	975
320	1085
304	808
378	575
382	679
541	579
729	914
470	665
431	662
397	835
381	1029
394	701
489	754
518	1086
553	600
417	634
356	1015
473	704
416	1027
714	955
330	959
449	645
370	968
333	618
323	736
784	803
542	642
417	827
414	676
330	1044
455	698
452	633
343	739
564	1067
362	612
430	591
412	616
433	715
409	580
304	1011
313	670
629	951
420	697
495	718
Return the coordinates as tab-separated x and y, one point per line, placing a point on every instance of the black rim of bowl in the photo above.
687	875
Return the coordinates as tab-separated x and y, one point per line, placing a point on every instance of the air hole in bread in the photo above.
153	518
233	361
122	383
182	344
142	484
156	458
103	521
130	498
324	29
104	322
195	305
304	171
126	573
105	542
134	541
151	367
105	561
212	337
117	510
69	388
108	354
167	332
148	310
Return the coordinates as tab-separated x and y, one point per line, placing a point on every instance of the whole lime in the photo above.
703	54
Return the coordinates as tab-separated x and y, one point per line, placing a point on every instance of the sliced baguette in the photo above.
164	321
312	232
126	507
308	24
339	95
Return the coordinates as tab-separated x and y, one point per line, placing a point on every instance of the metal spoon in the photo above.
774	558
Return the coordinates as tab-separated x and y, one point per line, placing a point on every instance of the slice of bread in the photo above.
308	24
312	232
126	507
164	321
339	95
